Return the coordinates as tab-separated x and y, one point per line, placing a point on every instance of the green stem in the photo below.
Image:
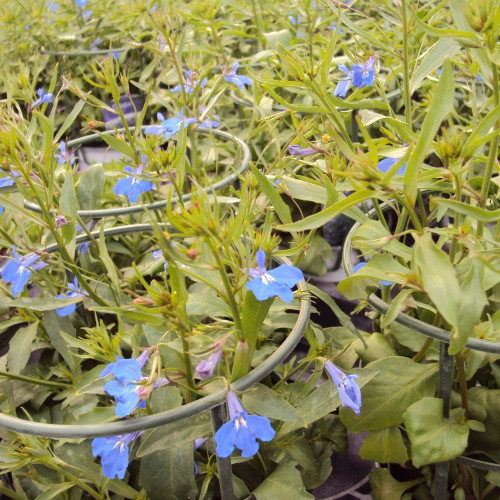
189	368
33	380
425	347
411	212
492	156
458	191
380	214
406	65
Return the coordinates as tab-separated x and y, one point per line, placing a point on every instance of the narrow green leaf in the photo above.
118	145
69	120
20	347
43	304
476	213
254	314
108	263
441	105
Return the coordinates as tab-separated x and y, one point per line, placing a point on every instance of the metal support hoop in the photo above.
73	431
116	212
87	53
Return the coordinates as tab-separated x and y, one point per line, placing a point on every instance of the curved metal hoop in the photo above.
116	212
151	421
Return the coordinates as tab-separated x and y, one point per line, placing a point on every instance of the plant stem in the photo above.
411	212
425	347
406	66
459	361
492	156
33	380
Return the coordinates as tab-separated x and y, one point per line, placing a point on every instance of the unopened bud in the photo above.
192	253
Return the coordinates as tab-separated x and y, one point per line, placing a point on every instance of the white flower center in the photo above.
267	278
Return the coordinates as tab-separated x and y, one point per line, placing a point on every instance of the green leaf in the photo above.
476	213
395	307
274	197
398	383
321	218
177	433
268	403
385	487
20	347
118	145
108	263
41	304
434	438
438	278
54	490
441	105
169	474
283	484
254	313
375	346
207	305
433	59
384	445
90	187
69	119
273	37
304	189
481	132
68	206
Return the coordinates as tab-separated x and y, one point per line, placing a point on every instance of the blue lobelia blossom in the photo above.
131	187
191	80
73	293
207	366
344	85
170	126
242	430
81	3
8	181
385	164
279	281
239	80
64	156
113	451
42	98
198	443
295	20
358	266
364	74
125	388
296	150
18	271
158	255
1	210
52	6
349	392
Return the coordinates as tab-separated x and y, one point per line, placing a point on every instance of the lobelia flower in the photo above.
198	443
207	366
125	388
349	392
60	220
358	266
296	150
73	293
113	451
191	81
42	98
242	430
279	281
207	123
364	74
385	164
1	210
64	156
170	126
81	3
52	6
8	181
94	45
18	271
84	247
158	255
295	20
131	187
239	80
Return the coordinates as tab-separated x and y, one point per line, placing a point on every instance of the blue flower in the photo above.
239	80
191	81
363	74
63	156
52	6
94	45
207	123
198	443
131	187
42	98
158	255
74	293
242	430
279	281
296	150
7	181
207	366
1	210
358	266
125	387
84	247
349	392
81	3
333	27
114	453
295	20
170	126
385	164
18	271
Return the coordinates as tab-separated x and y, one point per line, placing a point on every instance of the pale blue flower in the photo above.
385	164
131	187
242	431
158	255
239	80
207	366
42	98
296	150
73	293
64	156
113	451
170	126
279	281
191	81
349	392
364	74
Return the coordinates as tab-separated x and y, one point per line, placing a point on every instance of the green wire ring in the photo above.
116	212
73	431
88	53
403	319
